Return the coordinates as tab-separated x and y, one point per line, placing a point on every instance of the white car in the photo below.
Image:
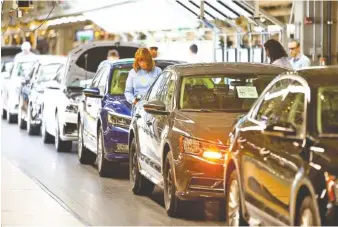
61	100
12	84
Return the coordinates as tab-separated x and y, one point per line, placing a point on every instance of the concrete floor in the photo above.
89	198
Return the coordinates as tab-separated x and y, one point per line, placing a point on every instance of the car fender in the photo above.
302	180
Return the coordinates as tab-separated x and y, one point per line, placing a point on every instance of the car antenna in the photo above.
86	60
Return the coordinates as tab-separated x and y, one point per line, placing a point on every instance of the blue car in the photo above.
104	116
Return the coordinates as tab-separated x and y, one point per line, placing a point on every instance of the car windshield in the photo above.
48	72
234	93
328	110
119	79
23	69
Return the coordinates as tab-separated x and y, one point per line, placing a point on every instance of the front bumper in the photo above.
198	178
68	126
116	144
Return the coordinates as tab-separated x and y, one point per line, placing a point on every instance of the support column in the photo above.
317	37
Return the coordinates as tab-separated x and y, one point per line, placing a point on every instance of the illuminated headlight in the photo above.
332	187
118	121
72	108
201	148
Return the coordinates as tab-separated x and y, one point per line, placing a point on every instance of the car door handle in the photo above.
137	116
149	123
89	105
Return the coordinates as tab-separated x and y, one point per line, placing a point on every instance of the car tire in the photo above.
172	203
46	137
84	155
11	118
306	216
140	184
31	129
60	145
234	216
21	122
104	167
4	114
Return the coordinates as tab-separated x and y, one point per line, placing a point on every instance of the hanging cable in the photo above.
22	29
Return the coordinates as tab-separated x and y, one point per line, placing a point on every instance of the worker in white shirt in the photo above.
193	57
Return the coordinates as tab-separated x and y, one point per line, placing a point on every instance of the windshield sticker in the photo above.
247	92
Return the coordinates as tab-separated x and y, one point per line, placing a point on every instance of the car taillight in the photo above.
332	187
201	148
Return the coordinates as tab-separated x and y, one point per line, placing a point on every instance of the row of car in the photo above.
261	140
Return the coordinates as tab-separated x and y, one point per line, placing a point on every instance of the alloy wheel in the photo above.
169	184
133	166
57	132
234	204
29	118
99	156
80	142
306	218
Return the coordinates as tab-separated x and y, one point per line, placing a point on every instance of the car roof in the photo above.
319	75
51	59
239	68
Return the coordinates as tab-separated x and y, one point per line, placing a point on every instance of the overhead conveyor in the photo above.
241	17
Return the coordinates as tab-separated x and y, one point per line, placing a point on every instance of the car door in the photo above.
282	156
89	112
158	124
253	147
52	93
145	129
98	103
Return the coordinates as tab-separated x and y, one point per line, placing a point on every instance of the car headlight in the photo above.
200	148
72	108
332	187
119	121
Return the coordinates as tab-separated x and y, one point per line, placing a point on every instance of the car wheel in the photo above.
307	213
11	118
46	137
31	129
234	215
84	155
104	167
140	184
4	114
21	122
171	202
60	145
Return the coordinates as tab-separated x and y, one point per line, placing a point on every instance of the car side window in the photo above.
272	99
97	77
103	79
284	103
292	110
168	89
156	88
59	74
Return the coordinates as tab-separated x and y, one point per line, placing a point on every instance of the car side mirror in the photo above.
155	107
280	129
6	75
92	92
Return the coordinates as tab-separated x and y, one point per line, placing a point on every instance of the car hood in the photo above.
119	105
213	127
96	52
327	157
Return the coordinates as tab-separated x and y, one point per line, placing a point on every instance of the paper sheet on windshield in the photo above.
247	92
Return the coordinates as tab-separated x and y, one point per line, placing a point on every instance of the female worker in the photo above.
275	51
142	76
